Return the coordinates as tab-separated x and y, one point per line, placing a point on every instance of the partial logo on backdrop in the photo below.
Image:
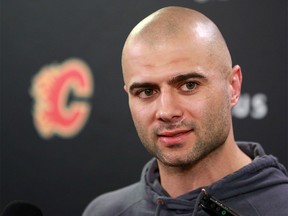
61	95
253	106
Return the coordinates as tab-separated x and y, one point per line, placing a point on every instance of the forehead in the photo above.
165	60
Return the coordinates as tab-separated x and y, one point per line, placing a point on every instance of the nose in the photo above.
168	108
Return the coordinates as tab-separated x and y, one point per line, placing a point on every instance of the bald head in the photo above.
170	24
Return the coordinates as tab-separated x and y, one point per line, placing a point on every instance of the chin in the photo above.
177	162
181	160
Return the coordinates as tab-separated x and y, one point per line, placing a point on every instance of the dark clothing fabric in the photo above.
260	188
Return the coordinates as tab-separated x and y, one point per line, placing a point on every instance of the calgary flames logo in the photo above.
60	93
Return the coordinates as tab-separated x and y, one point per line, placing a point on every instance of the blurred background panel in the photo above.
66	131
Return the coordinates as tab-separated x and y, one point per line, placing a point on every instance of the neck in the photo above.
221	162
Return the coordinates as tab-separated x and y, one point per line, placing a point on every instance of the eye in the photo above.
146	93
189	86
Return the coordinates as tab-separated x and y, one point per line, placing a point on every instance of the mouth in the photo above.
174	133
170	138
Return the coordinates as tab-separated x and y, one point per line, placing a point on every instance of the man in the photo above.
181	85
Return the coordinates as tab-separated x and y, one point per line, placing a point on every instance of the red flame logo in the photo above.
54	113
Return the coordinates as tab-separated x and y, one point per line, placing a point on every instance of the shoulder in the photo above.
115	202
271	200
272	195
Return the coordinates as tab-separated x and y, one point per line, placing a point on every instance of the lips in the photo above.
173	137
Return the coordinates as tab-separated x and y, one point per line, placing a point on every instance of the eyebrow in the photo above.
183	77
173	81
145	85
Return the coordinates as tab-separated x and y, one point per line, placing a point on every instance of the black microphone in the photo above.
21	208
214	206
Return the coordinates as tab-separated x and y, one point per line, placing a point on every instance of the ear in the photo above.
125	89
235	82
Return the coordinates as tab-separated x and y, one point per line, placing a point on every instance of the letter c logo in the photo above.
61	93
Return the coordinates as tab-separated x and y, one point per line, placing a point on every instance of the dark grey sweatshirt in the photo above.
260	188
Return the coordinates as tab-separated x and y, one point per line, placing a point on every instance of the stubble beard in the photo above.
204	145
207	140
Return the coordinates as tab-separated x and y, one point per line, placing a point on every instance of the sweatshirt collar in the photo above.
234	184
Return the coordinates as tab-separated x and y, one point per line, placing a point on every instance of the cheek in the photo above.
204	109
139	113
195	107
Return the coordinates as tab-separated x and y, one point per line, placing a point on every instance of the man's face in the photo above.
179	100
